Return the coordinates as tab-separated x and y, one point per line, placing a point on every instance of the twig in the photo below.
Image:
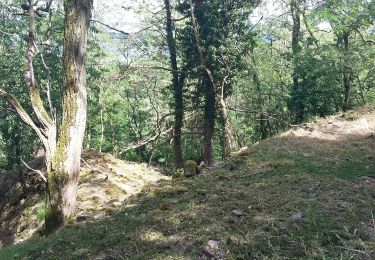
34	170
122	32
354	250
93	170
371	42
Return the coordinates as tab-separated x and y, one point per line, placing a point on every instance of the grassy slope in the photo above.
268	183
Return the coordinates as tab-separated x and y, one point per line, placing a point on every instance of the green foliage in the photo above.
41	213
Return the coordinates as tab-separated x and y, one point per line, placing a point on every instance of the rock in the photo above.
367	179
237	213
116	204
213	244
297	215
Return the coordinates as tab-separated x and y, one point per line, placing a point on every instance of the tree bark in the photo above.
346	71
64	175
177	86
210	102
227	131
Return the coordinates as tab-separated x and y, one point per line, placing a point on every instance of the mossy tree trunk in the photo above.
64	175
177	86
227	131
210	92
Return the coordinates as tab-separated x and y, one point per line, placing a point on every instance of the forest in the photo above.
187	129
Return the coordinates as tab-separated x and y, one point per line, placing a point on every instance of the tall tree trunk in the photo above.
263	125
209	124
113	137
210	90
262	118
101	140
177	86
64	174
296	35
346	71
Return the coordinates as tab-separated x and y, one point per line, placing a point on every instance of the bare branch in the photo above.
34	170
13	101
363	38
147	141
122	32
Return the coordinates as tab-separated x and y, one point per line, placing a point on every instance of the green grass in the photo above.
272	181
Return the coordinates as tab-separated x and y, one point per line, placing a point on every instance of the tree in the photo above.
210	89
213	41
177	82
62	152
346	18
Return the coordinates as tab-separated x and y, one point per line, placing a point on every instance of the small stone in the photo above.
213	244
117	204
297	215
237	213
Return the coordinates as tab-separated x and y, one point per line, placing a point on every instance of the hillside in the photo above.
306	193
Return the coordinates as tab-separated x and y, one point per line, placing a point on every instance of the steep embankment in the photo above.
307	193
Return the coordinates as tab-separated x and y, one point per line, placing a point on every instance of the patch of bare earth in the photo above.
328	138
356	127
107	182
